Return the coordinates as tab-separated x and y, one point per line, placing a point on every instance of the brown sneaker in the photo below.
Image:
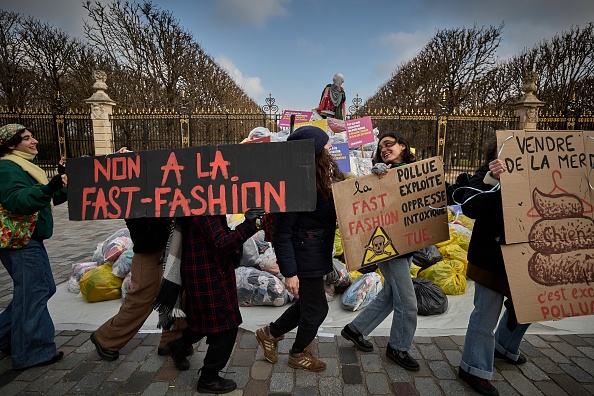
268	343
305	361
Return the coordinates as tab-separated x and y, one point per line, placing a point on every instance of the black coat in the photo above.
149	234
485	260
304	241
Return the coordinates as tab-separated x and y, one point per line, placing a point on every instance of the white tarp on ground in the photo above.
72	312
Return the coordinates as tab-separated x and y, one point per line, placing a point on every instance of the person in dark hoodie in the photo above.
488	336
303	243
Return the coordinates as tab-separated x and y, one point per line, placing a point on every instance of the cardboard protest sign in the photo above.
193	181
300	116
548	207
381	218
359	131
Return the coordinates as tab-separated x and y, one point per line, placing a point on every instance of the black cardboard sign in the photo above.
193	181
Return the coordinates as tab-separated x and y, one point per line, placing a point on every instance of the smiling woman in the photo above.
26	197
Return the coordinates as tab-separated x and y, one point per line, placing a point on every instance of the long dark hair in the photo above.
407	156
327	171
13	141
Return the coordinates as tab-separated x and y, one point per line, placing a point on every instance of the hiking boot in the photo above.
481	385
268	343
403	359
351	334
217	385
177	349
103	353
305	361
521	359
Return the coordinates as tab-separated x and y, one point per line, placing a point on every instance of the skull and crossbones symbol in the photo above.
379	244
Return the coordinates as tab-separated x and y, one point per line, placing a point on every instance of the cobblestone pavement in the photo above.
557	364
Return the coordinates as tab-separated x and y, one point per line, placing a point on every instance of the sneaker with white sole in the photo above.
305	361
268	343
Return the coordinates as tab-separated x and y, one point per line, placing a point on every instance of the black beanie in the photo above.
311	132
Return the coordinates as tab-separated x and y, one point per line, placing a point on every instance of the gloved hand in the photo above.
379	169
56	183
254	214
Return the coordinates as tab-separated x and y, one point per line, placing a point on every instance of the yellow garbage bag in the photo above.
338	243
99	284
452	236
453	251
448	274
414	270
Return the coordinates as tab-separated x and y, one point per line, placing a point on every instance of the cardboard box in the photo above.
548	197
381	218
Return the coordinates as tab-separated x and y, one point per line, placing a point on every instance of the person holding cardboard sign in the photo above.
398	294
485	266
303	243
26	205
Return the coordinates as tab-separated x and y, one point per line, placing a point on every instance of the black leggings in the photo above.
307	314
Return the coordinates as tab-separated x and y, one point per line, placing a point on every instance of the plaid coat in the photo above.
208	273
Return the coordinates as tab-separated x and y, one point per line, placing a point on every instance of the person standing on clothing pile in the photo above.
208	266
398	294
303	243
486	269
26	327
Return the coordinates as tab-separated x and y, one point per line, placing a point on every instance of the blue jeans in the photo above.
397	296
26	327
481	342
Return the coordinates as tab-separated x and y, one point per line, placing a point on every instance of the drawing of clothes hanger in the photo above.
588	208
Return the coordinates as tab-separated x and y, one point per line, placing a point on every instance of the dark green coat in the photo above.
22	194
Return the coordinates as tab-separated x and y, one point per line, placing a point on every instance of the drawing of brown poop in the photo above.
560	239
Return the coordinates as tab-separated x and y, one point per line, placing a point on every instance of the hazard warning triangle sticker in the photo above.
379	248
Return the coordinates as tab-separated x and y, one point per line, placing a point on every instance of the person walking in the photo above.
485	266
149	236
26	204
303	243
208	266
398	294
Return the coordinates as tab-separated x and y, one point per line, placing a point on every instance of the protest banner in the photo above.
381	218
548	202
300	116
193	181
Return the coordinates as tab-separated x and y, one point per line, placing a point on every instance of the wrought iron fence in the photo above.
68	133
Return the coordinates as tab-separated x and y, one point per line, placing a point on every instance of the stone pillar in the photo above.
101	108
527	106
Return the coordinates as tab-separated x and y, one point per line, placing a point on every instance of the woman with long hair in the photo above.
303	243
398	294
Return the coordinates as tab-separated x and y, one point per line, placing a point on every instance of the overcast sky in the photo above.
293	48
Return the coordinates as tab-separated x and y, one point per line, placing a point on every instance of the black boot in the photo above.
178	349
213	383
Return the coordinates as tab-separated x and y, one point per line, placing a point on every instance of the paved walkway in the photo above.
557	365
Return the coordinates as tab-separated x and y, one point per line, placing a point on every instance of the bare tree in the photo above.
15	77
159	58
